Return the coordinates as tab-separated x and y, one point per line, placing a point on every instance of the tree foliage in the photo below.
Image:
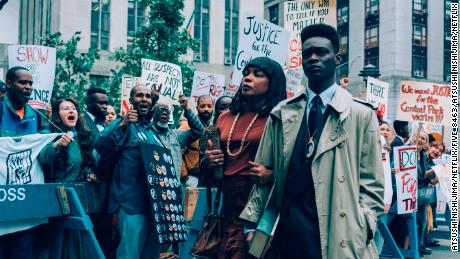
72	66
160	38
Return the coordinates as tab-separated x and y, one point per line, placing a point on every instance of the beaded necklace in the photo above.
244	136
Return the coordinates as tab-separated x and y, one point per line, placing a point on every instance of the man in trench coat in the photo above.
327	187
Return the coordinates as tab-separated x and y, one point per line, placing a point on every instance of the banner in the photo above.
165	195
441	200
424	102
259	38
127	83
18	158
41	62
405	161
166	75
377	95
208	84
388	192
298	15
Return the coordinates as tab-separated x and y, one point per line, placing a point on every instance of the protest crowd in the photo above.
311	167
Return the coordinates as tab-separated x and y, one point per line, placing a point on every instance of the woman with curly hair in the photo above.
69	159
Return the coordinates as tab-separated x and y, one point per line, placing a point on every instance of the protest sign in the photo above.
377	95
127	83
166	75
405	161
208	84
441	200
297	15
41	62
424	102
388	192
165	195
259	38
443	173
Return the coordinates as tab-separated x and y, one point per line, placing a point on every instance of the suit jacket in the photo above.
92	126
347	173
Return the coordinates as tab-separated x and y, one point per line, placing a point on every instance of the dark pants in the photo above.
17	245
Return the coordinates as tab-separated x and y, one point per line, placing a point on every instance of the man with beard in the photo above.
128	196
174	139
190	173
17	118
96	109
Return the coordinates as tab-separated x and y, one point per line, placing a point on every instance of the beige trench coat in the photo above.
347	173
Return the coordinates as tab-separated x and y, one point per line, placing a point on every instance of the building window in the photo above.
419	7
371	37
342	15
343	29
231	31
201	29
273	13
344	44
100	24
447	41
372	60
419	35
372	7
419	67
136	16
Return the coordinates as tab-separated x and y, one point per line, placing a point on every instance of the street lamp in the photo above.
369	70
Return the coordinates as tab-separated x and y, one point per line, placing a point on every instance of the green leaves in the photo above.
72	67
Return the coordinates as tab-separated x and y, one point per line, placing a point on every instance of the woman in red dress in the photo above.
263	86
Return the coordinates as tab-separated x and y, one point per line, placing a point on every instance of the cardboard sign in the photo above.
298	15
169	76
388	192
424	102
405	160
165	195
259	38
127	83
377	95
208	84
41	62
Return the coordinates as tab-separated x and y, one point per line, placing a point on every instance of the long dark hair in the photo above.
276	86
85	140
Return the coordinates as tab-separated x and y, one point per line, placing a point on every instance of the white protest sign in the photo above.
424	102
445	159
127	83
259	38
377	95
443	173
441	200
388	192
405	161
41	62
298	15
166	75
208	84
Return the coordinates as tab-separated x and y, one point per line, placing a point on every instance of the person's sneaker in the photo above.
424	251
432	243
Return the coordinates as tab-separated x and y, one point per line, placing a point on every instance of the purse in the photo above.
426	195
207	242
